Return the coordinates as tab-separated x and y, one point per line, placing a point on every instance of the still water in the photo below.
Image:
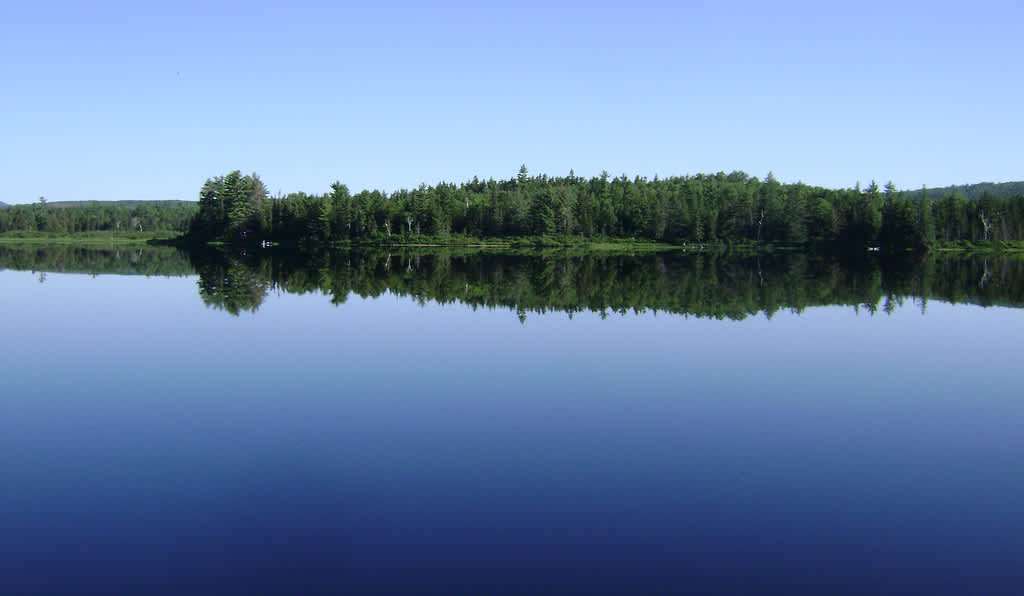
265	428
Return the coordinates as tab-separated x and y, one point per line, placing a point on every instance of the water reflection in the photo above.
377	447
128	260
708	285
704	285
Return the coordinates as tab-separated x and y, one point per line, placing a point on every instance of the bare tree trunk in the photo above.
985	222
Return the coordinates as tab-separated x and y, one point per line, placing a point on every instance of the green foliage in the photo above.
231	208
87	239
973	191
720	208
117	217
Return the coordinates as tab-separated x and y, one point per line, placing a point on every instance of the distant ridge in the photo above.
974	191
125	204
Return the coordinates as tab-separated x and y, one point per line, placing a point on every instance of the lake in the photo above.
450	421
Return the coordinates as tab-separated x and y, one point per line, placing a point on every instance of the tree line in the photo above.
716	208
98	216
972	191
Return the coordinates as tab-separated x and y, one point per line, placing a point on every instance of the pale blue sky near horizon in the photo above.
119	101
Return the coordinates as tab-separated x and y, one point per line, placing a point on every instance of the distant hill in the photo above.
125	204
974	191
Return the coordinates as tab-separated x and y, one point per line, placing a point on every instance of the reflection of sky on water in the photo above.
137	422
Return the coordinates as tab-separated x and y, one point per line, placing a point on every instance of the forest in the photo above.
69	218
972	191
702	209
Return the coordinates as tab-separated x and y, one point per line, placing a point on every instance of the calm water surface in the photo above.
149	442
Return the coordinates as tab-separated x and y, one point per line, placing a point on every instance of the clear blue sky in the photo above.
131	100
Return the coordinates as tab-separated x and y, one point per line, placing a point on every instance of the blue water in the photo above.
148	443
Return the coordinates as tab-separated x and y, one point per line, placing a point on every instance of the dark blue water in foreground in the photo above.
148	443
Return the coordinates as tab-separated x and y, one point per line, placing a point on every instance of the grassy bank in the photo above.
980	248
548	241
85	239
